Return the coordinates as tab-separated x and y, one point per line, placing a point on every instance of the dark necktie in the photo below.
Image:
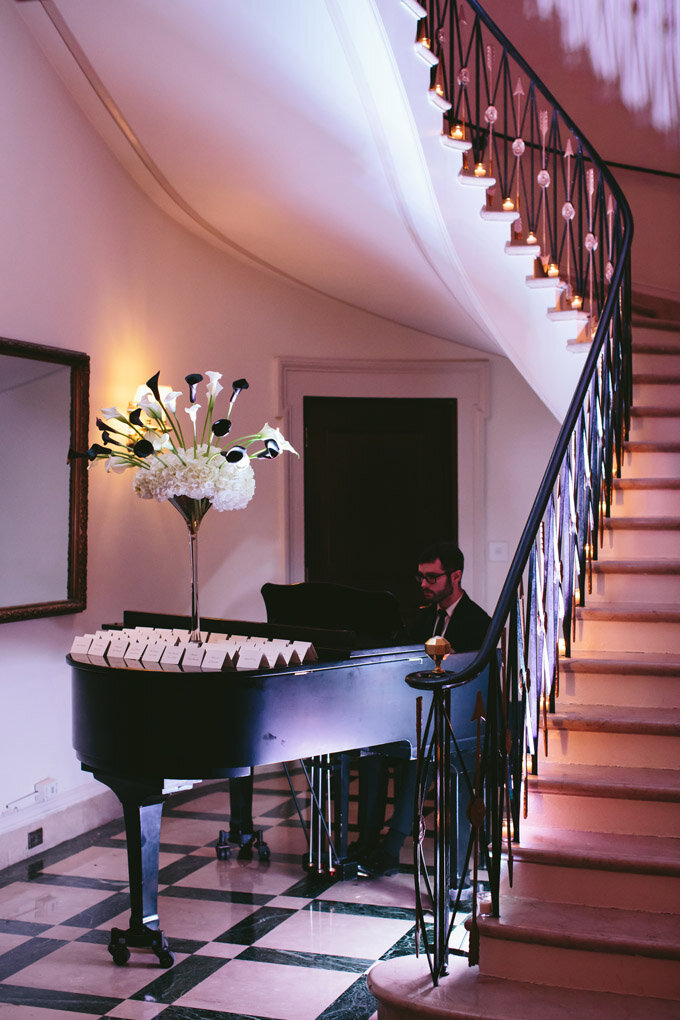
440	623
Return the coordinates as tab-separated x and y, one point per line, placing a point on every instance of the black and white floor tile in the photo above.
253	940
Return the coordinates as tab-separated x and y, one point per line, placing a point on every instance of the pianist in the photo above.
447	611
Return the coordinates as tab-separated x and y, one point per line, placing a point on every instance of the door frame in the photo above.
467	380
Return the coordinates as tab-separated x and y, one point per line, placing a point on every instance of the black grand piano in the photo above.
135	729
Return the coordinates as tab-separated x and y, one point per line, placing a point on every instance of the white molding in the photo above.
467	380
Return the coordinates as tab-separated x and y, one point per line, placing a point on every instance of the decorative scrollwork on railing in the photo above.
538	163
569	207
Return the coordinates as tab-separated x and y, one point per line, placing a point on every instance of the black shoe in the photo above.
378	864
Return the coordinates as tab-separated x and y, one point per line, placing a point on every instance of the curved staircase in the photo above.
591	924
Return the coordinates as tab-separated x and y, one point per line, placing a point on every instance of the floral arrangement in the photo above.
179	463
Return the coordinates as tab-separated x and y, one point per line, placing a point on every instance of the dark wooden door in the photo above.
380	483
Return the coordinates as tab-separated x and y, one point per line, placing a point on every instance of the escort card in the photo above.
193	656
152	655
96	653
172	656
305	651
80	647
216	657
136	649
250	656
180	633
271	658
117	649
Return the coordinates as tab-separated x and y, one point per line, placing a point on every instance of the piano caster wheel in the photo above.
253	841
120	955
222	848
165	958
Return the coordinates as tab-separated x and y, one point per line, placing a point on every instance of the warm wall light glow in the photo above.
562	646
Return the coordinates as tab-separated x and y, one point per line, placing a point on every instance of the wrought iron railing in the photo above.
570	208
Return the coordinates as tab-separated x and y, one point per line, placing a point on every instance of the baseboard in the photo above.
63	817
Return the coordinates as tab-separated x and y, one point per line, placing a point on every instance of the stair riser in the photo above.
604	814
640	543
627	635
612	689
628	587
594	887
651	464
628	750
646	502
651	428
652	394
663	363
578	968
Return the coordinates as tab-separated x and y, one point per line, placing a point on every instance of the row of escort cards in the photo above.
161	649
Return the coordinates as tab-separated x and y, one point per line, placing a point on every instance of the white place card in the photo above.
80	647
305	651
136	649
271	658
216	658
96	653
193	656
163	634
172	656
250	657
117	649
180	633
153	652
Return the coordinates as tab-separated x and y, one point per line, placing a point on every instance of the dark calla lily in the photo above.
135	417
236	387
234	455
221	427
272	447
152	383
97	450
193	380
143	448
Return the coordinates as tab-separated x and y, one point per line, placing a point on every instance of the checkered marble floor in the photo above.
256	939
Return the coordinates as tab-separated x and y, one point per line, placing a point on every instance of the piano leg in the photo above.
142	810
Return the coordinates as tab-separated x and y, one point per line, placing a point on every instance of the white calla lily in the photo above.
268	432
192	412
149	404
214	386
113	412
170	400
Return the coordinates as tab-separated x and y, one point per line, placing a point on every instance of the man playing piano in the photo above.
447	611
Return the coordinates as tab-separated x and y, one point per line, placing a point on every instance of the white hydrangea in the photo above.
227	486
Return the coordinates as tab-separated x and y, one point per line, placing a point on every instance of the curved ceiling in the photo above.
279	132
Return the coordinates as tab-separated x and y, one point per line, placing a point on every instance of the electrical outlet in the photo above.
35	838
45	788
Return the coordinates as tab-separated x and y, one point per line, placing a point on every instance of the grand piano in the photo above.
135	729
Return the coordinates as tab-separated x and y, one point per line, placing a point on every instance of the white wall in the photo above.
87	262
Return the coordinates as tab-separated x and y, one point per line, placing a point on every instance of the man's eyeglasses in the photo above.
430	578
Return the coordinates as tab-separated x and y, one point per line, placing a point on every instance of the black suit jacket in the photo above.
466	630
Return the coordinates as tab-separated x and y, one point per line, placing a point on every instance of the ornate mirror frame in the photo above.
76	418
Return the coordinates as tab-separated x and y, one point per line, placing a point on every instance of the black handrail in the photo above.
559	540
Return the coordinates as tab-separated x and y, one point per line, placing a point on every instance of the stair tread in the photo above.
641	611
647	483
463	994
638	566
609	851
616	719
622	523
635	932
651	446
654	411
652	663
615	781
659	379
